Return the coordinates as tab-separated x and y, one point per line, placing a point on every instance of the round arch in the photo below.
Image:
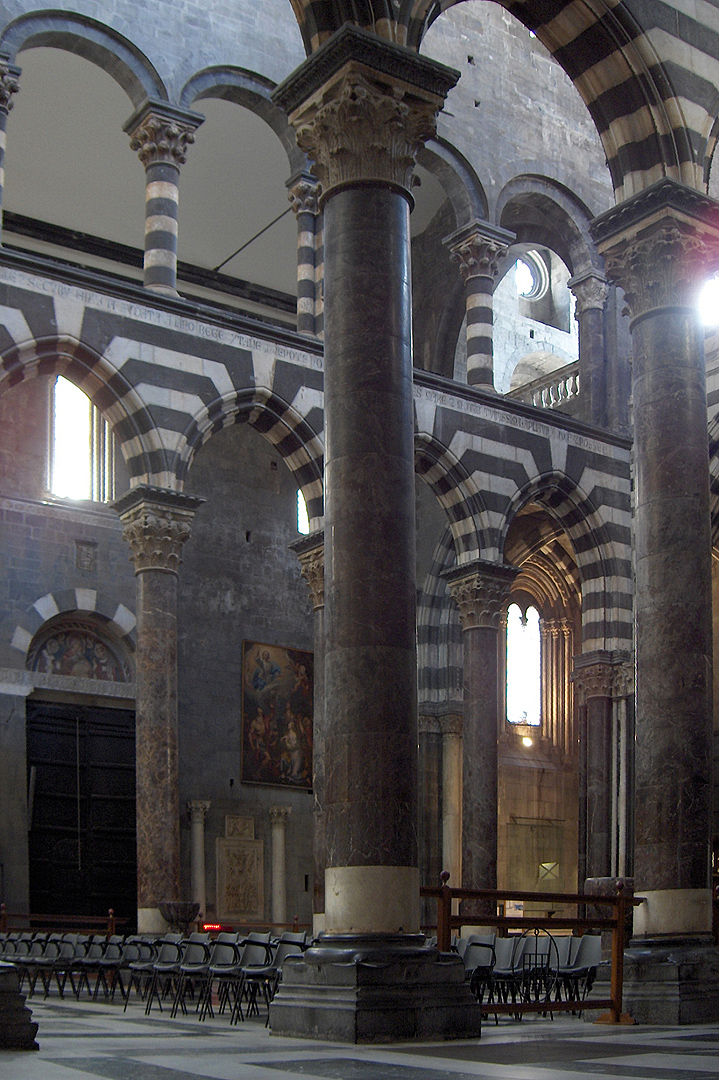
99	44
457	494
107	389
288	432
439	633
458	178
95	608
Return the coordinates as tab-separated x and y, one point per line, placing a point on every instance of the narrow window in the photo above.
523	666
303	521
82	459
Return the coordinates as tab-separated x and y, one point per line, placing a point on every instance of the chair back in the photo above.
196	951
461	945
225	952
563	945
285	948
170	949
589	953
298	937
254	954
478	955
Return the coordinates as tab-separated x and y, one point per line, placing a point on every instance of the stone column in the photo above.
197	809
304	196
481	591
593	678
451	728
9	85
161	133
477	248
361	108
590	290
310	551
659	247
156	525
278	823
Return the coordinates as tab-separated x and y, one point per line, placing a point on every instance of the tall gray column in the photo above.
477	248
278	826
660	246
451	728
304	195
157	525
197	810
161	133
9	85
310	551
593	680
590	290
361	108
481	591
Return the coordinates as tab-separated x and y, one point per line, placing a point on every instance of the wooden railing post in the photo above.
444	915
110	922
3	919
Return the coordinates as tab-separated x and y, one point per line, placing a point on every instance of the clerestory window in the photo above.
524	667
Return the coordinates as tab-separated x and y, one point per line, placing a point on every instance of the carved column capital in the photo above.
161	133
451	724
602	674
310	551
477	249
362	108
279	815
9	85
197	810
660	245
590	290
157	525
481	591
303	191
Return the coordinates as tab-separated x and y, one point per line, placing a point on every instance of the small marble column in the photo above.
593	679
660	245
278	824
304	195
451	728
161	133
310	551
481	591
156	526
197	810
477	248
590	290
9	85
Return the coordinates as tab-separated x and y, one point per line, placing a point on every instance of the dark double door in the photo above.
81	787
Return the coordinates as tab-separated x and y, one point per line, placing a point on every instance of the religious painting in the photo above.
70	648
277	707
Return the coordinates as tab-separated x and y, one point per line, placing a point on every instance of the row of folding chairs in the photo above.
534	966
234	971
44	958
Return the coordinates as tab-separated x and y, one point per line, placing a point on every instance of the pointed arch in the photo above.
439	633
108	390
291	435
456	493
90	39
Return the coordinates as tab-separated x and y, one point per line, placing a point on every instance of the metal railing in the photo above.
616	923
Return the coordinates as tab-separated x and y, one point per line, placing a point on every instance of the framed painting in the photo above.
277	706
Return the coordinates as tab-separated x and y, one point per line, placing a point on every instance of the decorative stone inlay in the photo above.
590	290
304	192
481	591
477	248
157	524
9	85
160	134
197	810
310	551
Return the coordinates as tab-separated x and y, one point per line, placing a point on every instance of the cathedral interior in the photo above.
359	463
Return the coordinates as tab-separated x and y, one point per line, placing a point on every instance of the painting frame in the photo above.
277	715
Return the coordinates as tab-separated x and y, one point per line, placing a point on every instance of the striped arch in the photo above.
606	580
714	478
290	434
114	618
649	110
456	493
439	633
318	19
97	43
107	388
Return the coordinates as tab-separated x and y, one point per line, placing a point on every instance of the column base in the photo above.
17	1030
666	982
374	988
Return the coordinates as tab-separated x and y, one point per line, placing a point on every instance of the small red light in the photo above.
211	926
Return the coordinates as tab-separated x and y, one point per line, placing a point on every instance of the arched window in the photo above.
303	521
82	452
524	667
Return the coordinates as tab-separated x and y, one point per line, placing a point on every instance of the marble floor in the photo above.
84	1041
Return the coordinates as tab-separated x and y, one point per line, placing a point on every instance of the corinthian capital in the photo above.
310	551
9	85
157	524
481	591
660	245
303	192
362	107
590	291
478	248
161	133
602	674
